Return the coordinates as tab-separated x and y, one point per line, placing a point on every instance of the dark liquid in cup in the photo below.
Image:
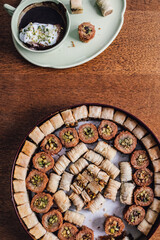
45	13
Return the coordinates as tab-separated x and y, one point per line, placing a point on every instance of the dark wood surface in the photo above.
126	75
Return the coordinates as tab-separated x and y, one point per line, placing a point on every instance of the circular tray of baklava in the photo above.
88	172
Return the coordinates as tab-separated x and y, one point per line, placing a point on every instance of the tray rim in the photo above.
18	48
155	225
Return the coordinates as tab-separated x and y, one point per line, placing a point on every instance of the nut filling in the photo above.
51	144
67	232
88	132
143	196
141	159
52	219
126	142
134	216
107	130
86	237
36	180
42	161
68	137
114	227
41	203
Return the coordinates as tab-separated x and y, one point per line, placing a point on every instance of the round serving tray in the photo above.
141	237
67	56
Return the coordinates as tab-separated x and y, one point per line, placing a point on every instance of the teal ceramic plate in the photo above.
67	55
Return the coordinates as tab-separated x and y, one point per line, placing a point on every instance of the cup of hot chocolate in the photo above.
39	26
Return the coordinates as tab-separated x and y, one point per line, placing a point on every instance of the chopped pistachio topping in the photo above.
90	193
86	237
88	132
143	196
42	161
141	159
68	136
87	29
36	180
67	232
80	183
126	142
143	176
41	202
114	227
51	144
52	219
107	130
134	215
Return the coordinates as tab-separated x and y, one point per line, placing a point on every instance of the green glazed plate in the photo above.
67	55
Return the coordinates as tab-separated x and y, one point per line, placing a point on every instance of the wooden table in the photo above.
126	75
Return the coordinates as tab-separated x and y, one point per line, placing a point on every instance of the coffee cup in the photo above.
39	26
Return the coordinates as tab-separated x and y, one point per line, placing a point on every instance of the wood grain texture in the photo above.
126	75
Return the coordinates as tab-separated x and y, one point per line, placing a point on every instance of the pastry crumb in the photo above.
73	45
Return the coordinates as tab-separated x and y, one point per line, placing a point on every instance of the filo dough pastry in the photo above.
107	113
31	220
155	206
119	117
57	121
53	183
61	164
157	178
105	7
24	210
74	217
111	190
77	152
154	153
23	160
144	227
85	196
156	165
49	236
95	111
78	166
97	203
126	194
76	6
93	157
157	190
66	180
151	216
62	200
139	132
19	186
80	112
130	124
29	148
80	183
37	231
21	198
148	141
110	168
105	150
20	172
126	171
36	135
77	201
68	117
47	128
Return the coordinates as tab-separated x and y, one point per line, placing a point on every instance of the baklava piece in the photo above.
43	162
107	129
36	181
114	226
69	137
134	215
67	231
125	142
143	177
143	196
88	133
139	159
85	233
52	221
41	202
51	144
76	6
86	31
